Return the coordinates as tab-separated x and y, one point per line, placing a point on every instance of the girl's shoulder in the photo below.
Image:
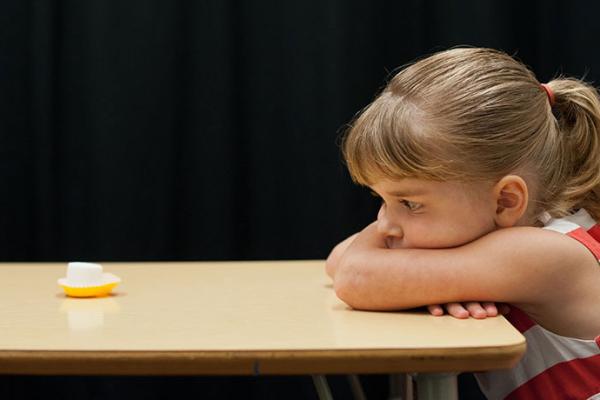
568	249
579	226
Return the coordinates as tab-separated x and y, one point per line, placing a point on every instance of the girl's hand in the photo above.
472	308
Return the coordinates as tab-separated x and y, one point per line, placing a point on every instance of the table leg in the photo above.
356	388
322	387
437	386
401	387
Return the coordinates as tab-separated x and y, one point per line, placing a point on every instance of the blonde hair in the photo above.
475	114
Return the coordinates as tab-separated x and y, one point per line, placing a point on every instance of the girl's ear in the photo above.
511	197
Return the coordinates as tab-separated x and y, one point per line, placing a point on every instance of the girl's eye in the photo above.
410	205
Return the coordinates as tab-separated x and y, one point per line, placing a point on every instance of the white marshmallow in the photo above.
84	274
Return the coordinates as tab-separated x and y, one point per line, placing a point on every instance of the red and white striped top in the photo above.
554	366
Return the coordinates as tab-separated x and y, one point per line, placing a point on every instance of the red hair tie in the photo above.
549	92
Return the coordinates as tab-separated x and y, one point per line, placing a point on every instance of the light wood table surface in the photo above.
250	318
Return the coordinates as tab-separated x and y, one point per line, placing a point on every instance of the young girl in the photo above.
490	188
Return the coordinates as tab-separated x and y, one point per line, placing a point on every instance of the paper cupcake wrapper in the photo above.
107	279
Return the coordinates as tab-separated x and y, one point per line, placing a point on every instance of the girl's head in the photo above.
475	116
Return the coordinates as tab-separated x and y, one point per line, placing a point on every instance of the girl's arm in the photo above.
514	265
458	310
334	257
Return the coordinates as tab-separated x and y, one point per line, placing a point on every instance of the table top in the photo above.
267	317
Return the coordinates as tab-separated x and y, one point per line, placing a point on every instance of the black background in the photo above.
209	130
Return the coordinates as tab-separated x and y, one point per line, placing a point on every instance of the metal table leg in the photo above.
356	388
322	387
401	387
437	386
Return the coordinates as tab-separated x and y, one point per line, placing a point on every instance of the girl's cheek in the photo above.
429	238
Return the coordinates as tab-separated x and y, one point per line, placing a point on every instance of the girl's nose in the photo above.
386	226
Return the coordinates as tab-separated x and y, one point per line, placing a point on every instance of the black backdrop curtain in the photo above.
209	130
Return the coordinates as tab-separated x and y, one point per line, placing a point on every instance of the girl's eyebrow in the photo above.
407	193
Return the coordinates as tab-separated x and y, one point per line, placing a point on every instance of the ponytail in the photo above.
577	112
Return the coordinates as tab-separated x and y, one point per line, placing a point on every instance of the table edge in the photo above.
280	362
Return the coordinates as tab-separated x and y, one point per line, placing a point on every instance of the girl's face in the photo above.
418	213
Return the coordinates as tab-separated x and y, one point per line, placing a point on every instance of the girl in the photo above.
490	188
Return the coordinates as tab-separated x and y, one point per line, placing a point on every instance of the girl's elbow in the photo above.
335	256
352	289
330	265
362	289
343	291
355	298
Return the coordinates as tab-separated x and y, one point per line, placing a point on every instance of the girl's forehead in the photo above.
419	186
403	187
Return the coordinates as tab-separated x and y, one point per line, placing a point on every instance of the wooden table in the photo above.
217	318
